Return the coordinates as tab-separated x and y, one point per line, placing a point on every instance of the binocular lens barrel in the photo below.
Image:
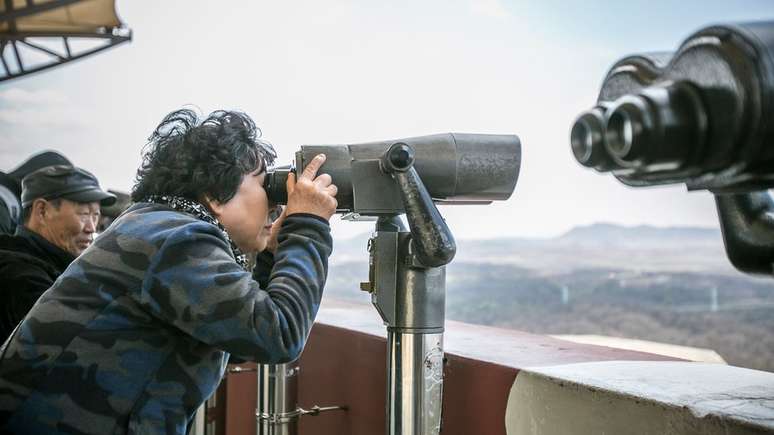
620	133
626	135
588	140
274	184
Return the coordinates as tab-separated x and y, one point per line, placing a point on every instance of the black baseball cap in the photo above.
38	161
63	181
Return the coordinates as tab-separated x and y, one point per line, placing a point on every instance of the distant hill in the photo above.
599	245
605	233
594	234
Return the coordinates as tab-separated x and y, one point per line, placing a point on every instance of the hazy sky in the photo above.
312	72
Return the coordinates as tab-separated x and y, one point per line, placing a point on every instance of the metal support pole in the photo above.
278	399
410	297
278	411
415	383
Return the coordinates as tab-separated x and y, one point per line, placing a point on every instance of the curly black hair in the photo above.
188	157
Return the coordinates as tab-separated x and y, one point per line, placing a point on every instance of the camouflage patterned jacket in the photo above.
135	334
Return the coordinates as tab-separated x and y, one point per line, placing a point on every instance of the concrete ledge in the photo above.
506	347
641	397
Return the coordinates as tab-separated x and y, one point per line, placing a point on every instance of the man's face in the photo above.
246	215
71	226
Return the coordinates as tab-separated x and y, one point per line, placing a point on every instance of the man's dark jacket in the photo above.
29	265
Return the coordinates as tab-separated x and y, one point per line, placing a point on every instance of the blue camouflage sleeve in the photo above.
194	284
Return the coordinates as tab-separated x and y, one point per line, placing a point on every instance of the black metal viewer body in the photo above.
407	275
703	116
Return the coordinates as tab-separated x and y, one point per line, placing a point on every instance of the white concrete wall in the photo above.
641	397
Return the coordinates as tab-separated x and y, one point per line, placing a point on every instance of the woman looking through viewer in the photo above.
136	333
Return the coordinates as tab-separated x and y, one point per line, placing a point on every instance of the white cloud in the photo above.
41	108
489	8
18	96
36	116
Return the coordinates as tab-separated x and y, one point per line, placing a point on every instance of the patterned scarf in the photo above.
200	212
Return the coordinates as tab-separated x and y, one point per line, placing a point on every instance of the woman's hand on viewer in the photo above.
312	194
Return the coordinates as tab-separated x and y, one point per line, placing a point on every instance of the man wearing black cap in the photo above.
61	207
10	187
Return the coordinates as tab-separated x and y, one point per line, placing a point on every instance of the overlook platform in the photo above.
501	381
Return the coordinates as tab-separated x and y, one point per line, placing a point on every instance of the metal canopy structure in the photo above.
36	35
